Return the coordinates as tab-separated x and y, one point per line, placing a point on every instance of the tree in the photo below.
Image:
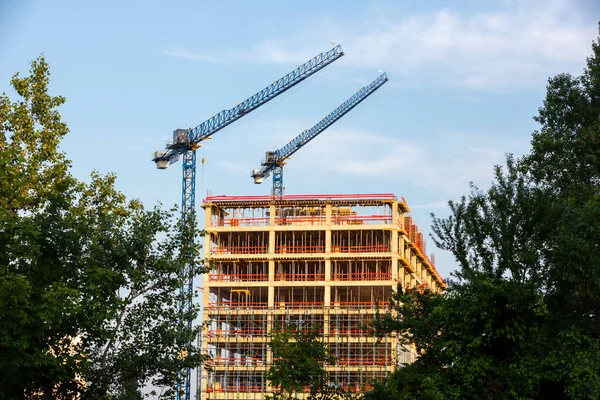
520	319
565	160
88	280
300	358
565	156
141	338
479	339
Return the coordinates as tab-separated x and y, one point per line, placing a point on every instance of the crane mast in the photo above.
186	141
275	160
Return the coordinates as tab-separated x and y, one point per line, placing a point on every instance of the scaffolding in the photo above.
325	261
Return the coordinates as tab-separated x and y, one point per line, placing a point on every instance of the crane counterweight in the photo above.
160	163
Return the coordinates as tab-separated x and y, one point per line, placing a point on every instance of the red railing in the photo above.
299	249
238	250
363	361
299	304
360	276
236	361
420	248
238	388
351	332
236	332
237	304
249	221
238	277
315	197
295	304
360	219
378	248
363	303
299	277
309	220
303	219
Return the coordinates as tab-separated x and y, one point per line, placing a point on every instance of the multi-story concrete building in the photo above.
324	260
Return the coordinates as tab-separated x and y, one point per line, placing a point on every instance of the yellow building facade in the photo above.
305	260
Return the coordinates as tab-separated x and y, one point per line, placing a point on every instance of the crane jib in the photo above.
182	143
226	117
277	158
290	148
185	142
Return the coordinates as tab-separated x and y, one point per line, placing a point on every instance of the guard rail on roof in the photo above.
298	197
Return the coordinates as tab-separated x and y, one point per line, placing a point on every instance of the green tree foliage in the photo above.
300	358
521	318
88	280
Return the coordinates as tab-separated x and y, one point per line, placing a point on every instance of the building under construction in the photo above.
309	260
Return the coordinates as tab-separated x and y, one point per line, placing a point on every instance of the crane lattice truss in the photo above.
185	142
275	160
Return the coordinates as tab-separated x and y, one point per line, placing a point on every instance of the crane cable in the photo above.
202	172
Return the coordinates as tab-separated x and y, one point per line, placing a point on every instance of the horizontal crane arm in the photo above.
278	157
189	140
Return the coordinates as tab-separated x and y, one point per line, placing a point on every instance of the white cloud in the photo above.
508	47
188	55
492	153
520	44
446	166
429	206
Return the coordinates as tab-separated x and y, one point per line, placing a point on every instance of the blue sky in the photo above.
466	77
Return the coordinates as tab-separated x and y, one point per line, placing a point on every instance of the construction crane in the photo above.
186	141
275	160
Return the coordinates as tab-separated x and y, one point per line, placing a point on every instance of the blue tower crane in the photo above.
186	141
275	160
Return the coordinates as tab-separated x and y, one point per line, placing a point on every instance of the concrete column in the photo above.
396	349
327	270
271	248
328	239
208	217
271	215
269	328
394	267
271	296
394	241
271	272
327	296
402	277
417	266
207	246
328	214
395	213
206	296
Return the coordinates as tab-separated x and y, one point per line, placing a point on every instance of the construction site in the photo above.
326	261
